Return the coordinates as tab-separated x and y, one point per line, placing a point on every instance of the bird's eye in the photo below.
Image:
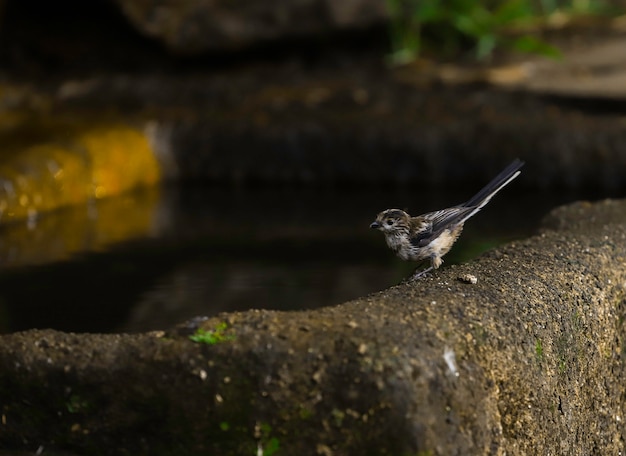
389	222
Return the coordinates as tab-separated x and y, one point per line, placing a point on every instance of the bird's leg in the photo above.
419	274
436	261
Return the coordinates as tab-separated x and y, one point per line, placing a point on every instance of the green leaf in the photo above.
271	447
428	11
513	11
533	45
485	46
402	57
475	24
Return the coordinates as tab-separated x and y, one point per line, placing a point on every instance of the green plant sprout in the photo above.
212	336
270	447
267	445
77	404
539	350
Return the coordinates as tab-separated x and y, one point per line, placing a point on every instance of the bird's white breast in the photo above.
399	243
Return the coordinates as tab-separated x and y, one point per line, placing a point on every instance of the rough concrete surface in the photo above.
526	361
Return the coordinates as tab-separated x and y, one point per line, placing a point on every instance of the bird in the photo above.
432	235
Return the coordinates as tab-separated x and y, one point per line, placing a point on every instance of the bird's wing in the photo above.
435	222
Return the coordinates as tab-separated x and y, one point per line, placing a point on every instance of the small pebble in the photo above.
469	278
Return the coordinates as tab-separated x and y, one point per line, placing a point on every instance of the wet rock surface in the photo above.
528	360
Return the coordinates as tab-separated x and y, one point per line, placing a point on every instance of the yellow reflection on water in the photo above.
90	226
95	161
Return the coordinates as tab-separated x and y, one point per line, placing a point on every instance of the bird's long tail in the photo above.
497	183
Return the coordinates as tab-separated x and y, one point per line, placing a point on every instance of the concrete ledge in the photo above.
526	361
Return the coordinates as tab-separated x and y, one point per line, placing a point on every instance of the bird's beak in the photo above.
375	225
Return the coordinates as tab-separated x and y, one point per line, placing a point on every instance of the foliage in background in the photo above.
450	26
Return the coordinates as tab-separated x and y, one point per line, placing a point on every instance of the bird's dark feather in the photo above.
437	222
488	189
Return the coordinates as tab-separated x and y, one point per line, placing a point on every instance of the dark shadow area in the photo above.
70	37
41	40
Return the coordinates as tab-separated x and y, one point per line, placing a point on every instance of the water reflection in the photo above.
90	227
203	288
155	258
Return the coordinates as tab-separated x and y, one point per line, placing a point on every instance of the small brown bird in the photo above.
432	235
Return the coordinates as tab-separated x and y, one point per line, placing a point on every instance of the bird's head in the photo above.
391	220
